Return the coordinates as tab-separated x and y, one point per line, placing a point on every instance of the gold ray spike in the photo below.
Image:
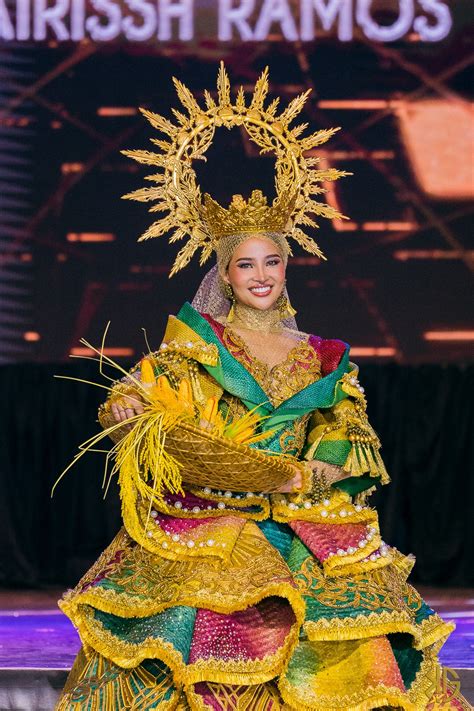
199	217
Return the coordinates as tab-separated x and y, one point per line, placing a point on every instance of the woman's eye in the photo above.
244	265
273	262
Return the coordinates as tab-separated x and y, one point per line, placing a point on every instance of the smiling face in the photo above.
256	273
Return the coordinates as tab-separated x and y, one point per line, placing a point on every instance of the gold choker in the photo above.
256	320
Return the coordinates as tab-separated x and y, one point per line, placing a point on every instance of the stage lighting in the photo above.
439	139
114	111
448	335
373	351
90	237
113	351
31	336
404	254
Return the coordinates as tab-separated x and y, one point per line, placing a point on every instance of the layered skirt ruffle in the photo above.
264	628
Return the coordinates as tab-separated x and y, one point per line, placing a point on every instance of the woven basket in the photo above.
220	463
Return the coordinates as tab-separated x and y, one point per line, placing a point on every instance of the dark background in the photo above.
61	173
423	415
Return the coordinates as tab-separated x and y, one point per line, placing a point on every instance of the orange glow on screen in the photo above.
90	237
358	104
349	226
112	111
67	168
369	351
439	139
448	335
404	254
31	336
117	351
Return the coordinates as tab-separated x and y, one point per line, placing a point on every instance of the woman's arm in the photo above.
342	438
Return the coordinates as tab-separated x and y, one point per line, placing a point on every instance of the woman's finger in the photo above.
116	412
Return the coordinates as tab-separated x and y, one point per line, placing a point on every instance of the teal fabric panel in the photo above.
236	379
174	626
278	534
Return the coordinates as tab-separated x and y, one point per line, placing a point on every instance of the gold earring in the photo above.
230	295
285	308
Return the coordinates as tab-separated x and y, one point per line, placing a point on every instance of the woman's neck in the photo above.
256	319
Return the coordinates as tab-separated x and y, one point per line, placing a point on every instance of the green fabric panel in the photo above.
161	673
230	374
408	659
336	452
286	432
237	380
95	692
318	590
355	484
423	613
174	625
307	660
322	393
333	451
297	555
278	534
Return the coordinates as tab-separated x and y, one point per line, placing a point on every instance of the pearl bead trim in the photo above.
181	542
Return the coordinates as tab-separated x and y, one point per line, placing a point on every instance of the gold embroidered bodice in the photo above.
300	368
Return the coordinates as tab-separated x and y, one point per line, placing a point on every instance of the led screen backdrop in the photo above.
395	75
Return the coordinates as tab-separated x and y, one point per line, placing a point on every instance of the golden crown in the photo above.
202	219
253	215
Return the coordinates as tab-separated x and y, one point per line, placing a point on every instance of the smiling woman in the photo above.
255	272
250	572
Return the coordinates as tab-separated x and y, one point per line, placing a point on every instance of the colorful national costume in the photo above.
218	594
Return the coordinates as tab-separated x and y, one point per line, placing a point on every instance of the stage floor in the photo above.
35	635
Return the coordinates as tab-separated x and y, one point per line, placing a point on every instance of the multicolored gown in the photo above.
245	600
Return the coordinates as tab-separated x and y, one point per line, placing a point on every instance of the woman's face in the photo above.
256	273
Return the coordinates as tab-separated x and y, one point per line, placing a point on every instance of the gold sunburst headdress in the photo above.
200	218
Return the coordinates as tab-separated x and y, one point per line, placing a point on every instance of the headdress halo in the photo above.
200	218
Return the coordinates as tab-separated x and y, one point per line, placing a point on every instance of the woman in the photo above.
277	598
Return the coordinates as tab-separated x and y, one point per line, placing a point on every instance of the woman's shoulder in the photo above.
328	350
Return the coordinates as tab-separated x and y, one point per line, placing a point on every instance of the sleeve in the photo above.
176	360
342	436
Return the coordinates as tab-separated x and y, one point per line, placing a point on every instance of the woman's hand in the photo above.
332	472
293	485
126	407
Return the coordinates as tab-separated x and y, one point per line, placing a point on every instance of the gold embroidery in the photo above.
300	368
292	440
261	697
145	584
98	684
369	592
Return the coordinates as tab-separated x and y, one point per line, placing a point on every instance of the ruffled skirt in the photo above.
264	628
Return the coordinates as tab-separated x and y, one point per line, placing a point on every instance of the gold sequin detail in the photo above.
300	368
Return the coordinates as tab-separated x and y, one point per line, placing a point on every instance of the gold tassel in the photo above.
289	308
231	314
285	309
364	458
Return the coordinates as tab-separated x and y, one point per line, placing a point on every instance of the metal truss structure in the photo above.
86	133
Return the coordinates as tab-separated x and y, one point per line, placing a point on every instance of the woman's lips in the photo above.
261	290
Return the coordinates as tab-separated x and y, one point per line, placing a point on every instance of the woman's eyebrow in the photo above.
251	259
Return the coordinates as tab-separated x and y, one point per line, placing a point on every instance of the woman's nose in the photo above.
260	272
